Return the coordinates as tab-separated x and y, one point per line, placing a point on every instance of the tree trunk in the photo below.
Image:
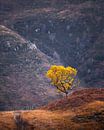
66	95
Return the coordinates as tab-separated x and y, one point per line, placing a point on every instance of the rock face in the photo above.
22	73
70	32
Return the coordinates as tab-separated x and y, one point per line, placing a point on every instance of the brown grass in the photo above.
86	115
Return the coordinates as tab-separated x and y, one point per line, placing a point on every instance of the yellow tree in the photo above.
62	77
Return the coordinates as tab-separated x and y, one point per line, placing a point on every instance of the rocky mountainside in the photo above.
22	73
70	32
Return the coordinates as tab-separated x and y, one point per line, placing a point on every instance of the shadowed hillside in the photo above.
35	34
22	73
82	110
71	29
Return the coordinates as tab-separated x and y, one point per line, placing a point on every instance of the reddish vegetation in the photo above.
83	110
78	98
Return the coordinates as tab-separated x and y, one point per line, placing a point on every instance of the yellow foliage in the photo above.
62	77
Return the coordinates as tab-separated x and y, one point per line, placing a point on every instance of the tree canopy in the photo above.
62	77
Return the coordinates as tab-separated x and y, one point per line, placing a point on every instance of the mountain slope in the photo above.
87	115
22	73
71	29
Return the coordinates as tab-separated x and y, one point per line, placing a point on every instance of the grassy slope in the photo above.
84	109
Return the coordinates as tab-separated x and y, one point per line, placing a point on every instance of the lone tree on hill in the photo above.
63	78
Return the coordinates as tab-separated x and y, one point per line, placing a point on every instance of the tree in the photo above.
62	77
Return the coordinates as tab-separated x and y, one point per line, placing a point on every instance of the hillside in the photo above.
35	34
22	73
84	109
72	29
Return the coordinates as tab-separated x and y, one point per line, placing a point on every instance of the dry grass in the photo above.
86	116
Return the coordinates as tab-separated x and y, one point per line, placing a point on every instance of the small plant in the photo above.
62	77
